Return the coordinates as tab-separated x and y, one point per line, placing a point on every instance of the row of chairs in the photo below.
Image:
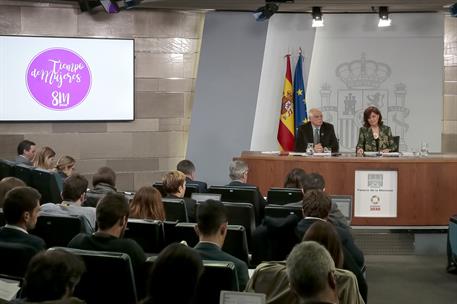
49	184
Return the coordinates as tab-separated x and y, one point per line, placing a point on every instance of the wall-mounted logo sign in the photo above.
58	79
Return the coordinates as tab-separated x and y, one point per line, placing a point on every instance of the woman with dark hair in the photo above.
374	135
175	275
147	204
65	166
295	178
325	234
44	158
104	180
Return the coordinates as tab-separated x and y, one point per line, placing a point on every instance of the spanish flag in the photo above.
286	120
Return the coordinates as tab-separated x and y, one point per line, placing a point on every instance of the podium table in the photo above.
426	193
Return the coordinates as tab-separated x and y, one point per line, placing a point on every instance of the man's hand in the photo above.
318	148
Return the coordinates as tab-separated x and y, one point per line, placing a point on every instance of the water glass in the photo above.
310	148
424	149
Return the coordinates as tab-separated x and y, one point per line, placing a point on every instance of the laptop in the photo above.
238	297
202	197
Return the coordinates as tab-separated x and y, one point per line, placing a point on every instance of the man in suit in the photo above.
212	229
239	175
187	167
174	185
25	152
20	209
317	132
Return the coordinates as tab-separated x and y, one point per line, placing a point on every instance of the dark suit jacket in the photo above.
202	186
16	236
210	251
259	204
305	135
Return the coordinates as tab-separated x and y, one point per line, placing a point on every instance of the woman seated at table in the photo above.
374	135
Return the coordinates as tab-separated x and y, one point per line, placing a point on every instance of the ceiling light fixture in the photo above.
384	19
265	12
318	21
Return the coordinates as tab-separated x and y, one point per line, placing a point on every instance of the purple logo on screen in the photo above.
58	79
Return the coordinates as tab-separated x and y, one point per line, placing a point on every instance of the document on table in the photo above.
236	297
8	288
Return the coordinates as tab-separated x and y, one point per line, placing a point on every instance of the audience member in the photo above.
316	207
44	158
175	275
73	195
6	184
174	184
51	277
239	175
311	273
325	234
295	178
211	228
104	181
112	216
20	209
188	168
65	166
147	204
26	150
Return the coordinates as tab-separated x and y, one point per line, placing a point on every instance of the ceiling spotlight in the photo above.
265	12
453	10
384	19
317	17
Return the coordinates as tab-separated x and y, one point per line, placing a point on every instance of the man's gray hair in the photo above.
308	268
237	169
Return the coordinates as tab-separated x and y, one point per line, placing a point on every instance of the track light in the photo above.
318	21
384	19
453	10
265	12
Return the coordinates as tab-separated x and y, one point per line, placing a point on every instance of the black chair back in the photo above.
241	214
2	218
282	196
108	278
48	184
14	258
396	140
6	168
58	230
169	231
92	198
24	173
283	211
147	233
186	232
159	186
175	210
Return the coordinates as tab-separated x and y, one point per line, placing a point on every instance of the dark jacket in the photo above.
368	143
201	186
305	135
16	236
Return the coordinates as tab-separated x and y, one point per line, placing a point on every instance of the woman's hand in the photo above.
359	151
385	151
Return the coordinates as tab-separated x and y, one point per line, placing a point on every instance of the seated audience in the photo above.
316	207
188	168
104	181
65	166
295	178
147	204
44	158
175	275
174	184
6	184
26	150
239	176
211	228
112	216
325	234
20	209
51	277
73	195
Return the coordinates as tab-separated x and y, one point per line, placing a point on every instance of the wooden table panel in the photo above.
427	187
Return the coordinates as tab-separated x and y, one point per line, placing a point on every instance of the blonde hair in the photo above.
172	181
39	161
65	162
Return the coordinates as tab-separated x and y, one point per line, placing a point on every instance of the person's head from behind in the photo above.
66	164
44	158
313	181
295	178
316	117
212	222
325	234
310	270
187	167
104	175
238	171
112	212
21	207
174	182
316	204
147	204
52	275
74	188
175	275
27	149
6	184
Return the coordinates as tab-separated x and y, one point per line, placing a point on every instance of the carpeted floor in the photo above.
404	279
